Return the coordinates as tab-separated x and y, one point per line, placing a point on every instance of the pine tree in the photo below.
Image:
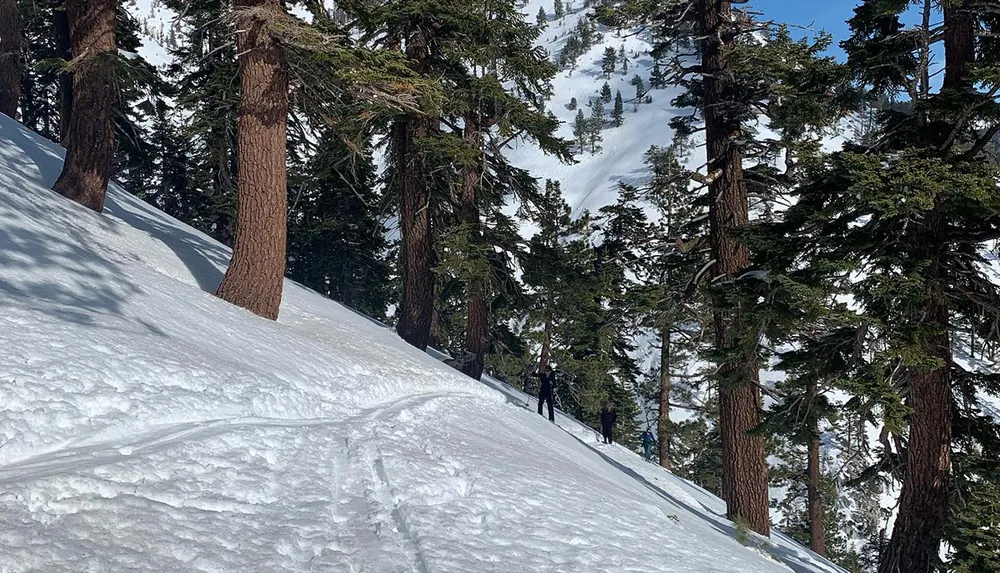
256	273
656	78
11	62
606	93
608	62
640	89
618	115
595	125
623	58
581	129
572	104
90	136
542	19
559	10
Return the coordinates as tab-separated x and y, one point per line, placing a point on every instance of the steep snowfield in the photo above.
148	426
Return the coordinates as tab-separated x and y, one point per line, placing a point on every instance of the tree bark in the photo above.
744	467
817	535
477	311
11	64
60	23
90	138
923	503
256	273
417	305
663	424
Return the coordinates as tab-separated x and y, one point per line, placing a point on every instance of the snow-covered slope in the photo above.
593	181
148	426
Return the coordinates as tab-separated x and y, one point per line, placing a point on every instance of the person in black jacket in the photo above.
545	390
608	416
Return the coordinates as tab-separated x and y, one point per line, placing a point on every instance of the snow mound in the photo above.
146	425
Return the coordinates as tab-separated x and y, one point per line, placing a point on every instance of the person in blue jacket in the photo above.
546	377
647	444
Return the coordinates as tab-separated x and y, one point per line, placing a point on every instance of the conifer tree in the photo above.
618	114
608	62
623	58
572	104
595	125
91	134
606	93
640	90
11	61
581	129
559	9
542	19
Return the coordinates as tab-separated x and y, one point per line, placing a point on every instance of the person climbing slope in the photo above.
546	377
608	416
647	444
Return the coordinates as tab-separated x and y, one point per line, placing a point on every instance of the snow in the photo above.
146	425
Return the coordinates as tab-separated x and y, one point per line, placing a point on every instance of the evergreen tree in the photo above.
542	19
91	135
581	129
618	115
595	125
559	9
572	104
606	93
11	61
640	89
608	62
623	58
656	77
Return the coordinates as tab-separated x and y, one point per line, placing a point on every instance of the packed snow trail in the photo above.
146	425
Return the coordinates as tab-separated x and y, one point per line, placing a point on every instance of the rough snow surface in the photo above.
148	426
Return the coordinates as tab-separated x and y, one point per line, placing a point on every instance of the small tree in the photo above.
608	62
580	129
640	89
572	104
606	93
542	19
623	58
559	9
596	125
618	115
656	79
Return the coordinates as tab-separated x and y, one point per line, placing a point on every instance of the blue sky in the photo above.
829	15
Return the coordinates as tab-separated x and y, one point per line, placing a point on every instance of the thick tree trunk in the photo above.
60	23
817	535
90	139
417	305
923	502
477	311
11	65
744	468
663	427
256	273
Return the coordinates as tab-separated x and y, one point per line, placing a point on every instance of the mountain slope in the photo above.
148	426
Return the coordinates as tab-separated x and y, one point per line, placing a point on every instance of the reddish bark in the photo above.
663	423
745	471
90	139
477	311
256	273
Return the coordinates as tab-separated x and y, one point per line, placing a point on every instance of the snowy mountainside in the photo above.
148	426
592	182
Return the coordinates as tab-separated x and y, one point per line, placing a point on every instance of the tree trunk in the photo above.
417	305
663	427
256	273
477	312
60	23
90	139
744	468
817	536
11	65
923	502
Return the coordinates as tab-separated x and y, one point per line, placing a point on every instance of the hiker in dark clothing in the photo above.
608	416
647	444
545	390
